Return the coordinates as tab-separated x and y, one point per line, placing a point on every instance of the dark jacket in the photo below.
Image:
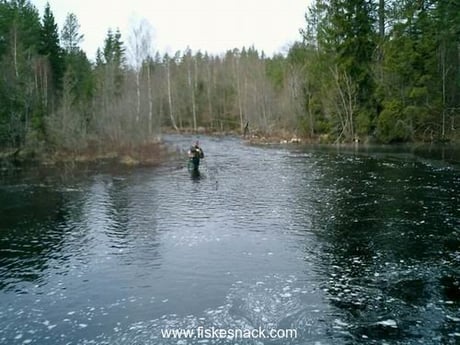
196	152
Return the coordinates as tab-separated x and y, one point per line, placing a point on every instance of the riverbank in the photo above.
155	152
325	139
145	154
252	137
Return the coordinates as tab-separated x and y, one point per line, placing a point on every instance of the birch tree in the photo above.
140	50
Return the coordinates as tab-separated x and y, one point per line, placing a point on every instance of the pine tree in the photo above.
78	67
20	34
353	22
50	47
70	35
114	56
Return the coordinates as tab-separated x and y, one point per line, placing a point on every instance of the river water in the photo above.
342	246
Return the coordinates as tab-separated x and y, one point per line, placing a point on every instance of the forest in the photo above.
364	70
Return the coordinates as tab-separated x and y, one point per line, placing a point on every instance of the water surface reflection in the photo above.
385	230
345	247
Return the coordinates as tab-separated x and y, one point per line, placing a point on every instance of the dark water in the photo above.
344	247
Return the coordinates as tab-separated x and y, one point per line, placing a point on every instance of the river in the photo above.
342	246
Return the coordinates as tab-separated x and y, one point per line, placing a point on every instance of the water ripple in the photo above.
345	247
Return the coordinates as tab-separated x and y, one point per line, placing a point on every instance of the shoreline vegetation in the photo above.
156	152
362	74
145	154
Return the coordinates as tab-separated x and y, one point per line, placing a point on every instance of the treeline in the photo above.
52	97
388	71
385	69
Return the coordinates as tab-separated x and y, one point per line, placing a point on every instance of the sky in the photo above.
214	26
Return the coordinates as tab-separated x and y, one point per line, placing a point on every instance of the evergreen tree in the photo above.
420	60
49	46
99	58
114	61
447	18
70	35
78	68
20	103
351	30
114	50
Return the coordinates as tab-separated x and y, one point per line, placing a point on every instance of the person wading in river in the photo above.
195	154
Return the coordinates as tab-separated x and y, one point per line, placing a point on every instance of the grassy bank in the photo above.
145	154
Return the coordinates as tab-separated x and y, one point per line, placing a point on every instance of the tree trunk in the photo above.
346	103
238	91
15	52
149	90
192	94
138	94
382	18
209	92
170	97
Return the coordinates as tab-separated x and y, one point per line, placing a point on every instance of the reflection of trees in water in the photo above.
137	216
31	233
124	213
44	227
384	225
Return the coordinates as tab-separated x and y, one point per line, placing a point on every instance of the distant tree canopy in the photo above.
384	70
393	67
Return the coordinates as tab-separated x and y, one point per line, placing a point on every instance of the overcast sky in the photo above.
207	25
